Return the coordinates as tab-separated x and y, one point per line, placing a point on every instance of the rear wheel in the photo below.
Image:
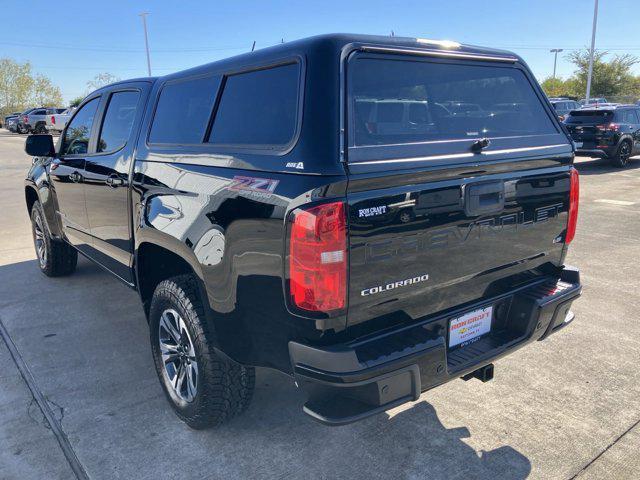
621	158
203	388
55	257
40	128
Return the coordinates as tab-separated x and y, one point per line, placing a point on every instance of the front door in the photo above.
107	179
67	173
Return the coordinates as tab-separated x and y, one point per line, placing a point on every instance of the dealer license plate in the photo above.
469	327
578	144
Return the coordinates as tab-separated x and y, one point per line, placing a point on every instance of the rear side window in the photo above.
457	101
258	108
117	123
183	111
626	116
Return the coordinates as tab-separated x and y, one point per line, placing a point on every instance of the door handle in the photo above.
484	198
114	181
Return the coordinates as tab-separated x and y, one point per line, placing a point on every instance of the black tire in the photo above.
56	258
40	128
621	158
223	388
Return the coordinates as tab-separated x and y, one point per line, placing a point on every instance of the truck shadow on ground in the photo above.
599	166
70	330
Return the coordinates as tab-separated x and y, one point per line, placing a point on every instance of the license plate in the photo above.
470	326
578	144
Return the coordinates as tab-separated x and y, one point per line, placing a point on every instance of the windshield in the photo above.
402	101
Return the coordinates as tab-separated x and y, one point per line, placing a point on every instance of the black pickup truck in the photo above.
321	208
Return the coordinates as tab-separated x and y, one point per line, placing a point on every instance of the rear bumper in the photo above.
596	152
349	382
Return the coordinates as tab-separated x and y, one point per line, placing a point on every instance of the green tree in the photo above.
16	85
45	93
20	88
613	77
553	87
76	101
101	80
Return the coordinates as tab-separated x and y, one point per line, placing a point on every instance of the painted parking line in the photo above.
623	203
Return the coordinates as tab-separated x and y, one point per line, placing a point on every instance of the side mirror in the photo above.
40	146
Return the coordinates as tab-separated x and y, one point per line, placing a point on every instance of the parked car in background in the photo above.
56	122
259	205
563	106
7	117
609	132
11	124
593	101
36	120
14	126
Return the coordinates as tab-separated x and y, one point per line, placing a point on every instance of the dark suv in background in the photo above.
609	132
563	106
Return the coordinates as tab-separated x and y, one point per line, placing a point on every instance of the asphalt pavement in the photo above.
79	395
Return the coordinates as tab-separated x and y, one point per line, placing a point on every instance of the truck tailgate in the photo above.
420	246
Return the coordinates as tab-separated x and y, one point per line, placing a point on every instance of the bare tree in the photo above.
101	80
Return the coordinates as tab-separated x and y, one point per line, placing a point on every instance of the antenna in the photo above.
253	46
146	40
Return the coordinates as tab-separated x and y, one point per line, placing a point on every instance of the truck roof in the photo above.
335	42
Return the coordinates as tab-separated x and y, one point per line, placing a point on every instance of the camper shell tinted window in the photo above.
462	101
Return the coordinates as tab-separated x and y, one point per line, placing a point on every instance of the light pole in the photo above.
555	51
146	40
591	53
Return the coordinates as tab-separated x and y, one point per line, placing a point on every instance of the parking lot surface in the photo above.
568	407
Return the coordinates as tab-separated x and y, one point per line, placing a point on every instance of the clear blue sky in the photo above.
71	41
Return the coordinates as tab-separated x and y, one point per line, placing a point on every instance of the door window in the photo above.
118	121
76	137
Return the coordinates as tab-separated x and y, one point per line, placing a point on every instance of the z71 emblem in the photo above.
263	185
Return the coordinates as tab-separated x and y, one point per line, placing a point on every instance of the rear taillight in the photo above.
318	258
574	197
610	127
53	119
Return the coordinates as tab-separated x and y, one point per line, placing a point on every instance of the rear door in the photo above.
435	219
107	177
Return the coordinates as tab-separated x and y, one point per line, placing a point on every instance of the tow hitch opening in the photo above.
483	374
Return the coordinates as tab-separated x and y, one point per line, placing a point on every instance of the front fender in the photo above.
39	182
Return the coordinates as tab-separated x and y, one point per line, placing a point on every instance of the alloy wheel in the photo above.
39	241
625	153
178	355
